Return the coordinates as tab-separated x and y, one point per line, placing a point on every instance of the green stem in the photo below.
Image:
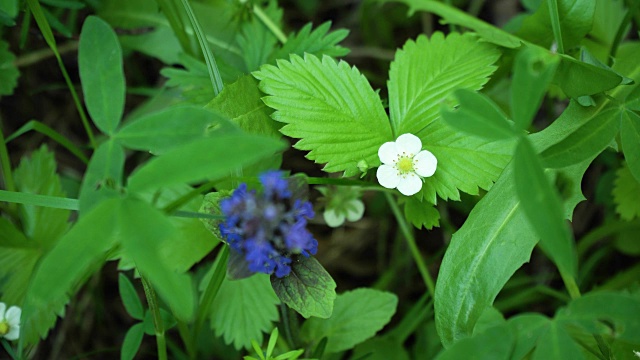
43	54
336	181
570	284
6	164
269	24
285	321
408	234
152	301
603	231
181	201
187	339
621	31
170	11
555	24
211	291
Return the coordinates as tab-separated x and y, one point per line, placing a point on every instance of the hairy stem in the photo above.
152	301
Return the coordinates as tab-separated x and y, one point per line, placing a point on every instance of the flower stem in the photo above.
269	24
152	300
411	241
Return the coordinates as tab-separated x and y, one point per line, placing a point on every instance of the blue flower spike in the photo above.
268	229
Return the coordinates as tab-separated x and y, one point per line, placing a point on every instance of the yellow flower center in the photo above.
405	164
4	328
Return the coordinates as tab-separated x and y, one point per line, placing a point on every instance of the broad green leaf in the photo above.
132	342
608	313
577	78
241	103
203	159
493	344
421	213
478	115
533	70
453	15
167	129
329	106
244	310
37	175
100	65
527	328
541	204
556	343
357	316
129	297
607	17
632	101
426	72
56	278
103	178
309	289
576	19
9	7
630	136
495	240
626	65
317	42
586	141
8	71
143	229
626	193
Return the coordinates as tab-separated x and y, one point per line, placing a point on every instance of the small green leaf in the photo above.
632	101
18	256
143	230
204	159
357	316
478	115
100	65
541	204
162	131
329	106
585	142
8	71
577	78
130	298
103	178
256	41
626	193
317	42
630	136
309	289
132	342
556	343
244	310
421	213
492	344
532	73
528	328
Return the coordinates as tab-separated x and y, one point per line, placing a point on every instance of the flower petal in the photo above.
388	153
388	176
355	210
13	316
425	163
13	334
410	184
333	218
409	143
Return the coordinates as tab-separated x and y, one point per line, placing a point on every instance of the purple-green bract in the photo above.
269	227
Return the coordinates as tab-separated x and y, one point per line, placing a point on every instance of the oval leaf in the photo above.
309	289
101	74
132	342
130	298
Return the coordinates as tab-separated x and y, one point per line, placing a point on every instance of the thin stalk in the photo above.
335	181
187	339
8	349
570	284
43	54
555	24
475	6
266	20
285	321
45	29
212	290
7	174
411	241
181	201
212	67
603	231
621	31
170	11
152	301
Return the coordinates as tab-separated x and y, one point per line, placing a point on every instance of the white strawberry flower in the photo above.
404	164
9	322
